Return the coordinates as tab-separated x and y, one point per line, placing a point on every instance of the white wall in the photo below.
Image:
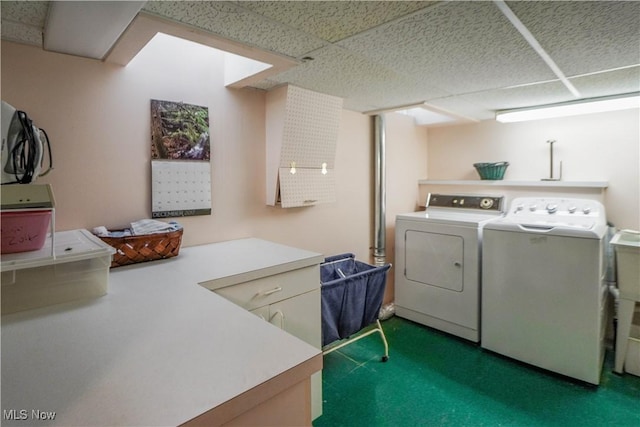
97	116
594	147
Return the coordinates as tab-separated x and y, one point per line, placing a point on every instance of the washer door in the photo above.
434	259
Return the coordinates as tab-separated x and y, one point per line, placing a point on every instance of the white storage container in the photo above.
627	247
632	360
78	269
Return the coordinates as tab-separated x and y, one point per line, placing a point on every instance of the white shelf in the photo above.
501	183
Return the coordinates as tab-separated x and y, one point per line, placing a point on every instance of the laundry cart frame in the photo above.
352	293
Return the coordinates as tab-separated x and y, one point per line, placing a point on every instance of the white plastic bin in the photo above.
79	269
632	360
627	247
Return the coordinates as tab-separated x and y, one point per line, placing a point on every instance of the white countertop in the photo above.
156	350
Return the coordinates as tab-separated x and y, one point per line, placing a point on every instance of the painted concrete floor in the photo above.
435	379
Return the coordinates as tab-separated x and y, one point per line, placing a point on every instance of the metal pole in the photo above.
379	253
551	141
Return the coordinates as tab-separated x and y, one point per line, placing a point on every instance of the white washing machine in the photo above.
543	287
437	262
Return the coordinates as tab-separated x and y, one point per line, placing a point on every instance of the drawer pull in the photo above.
270	291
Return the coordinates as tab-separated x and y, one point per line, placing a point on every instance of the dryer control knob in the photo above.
533	208
572	209
486	203
586	210
552	208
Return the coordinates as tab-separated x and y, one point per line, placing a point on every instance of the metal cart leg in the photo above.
384	340
369	332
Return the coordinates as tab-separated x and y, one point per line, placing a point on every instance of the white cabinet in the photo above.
297	315
302	131
291	301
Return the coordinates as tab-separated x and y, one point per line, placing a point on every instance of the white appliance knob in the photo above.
552	208
572	209
519	207
586	210
533	208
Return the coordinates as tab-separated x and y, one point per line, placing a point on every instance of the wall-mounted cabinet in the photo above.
302	131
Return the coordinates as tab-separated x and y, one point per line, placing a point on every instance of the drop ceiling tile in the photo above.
338	72
462	107
26	12
458	46
334	20
483	105
615	82
584	37
21	33
523	96
228	20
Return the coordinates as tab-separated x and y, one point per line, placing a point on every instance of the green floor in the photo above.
434	379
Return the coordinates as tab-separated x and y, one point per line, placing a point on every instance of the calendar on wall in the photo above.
180	188
180	160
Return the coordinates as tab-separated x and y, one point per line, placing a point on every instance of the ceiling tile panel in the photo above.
509	98
333	20
584	37
338	72
21	33
461	106
483	105
32	13
461	56
459	46
228	20
614	82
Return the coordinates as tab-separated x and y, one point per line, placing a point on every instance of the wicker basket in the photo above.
148	247
494	171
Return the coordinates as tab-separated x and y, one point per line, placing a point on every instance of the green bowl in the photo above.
491	171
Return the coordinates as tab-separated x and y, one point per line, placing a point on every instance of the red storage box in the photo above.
24	231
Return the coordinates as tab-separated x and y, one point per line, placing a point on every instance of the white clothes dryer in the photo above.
543	285
437	262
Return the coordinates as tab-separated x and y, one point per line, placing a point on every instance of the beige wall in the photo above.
595	147
97	117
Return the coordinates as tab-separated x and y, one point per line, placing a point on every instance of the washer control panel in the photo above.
475	202
529	206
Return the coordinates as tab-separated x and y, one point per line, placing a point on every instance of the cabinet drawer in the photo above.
267	290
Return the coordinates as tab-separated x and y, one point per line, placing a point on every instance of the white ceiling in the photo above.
465	57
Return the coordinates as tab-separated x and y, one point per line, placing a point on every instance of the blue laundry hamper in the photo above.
352	293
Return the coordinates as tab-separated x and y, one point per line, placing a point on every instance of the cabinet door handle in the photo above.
279	312
457	264
270	291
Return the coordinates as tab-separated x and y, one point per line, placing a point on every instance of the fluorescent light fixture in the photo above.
574	108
